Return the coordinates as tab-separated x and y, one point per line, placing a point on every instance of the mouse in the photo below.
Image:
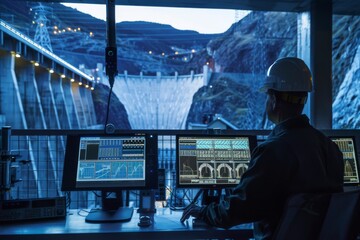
145	221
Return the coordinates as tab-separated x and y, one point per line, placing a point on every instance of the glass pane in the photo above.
346	72
177	68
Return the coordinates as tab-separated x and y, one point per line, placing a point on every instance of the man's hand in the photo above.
191	210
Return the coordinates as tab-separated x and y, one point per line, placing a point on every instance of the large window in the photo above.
177	68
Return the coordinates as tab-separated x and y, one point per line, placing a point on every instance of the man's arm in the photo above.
257	194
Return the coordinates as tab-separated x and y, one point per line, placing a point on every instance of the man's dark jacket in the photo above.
295	158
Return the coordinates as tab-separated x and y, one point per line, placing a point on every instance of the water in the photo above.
157	102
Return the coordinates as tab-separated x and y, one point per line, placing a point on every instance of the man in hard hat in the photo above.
295	158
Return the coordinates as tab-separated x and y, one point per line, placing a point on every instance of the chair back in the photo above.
342	220
302	217
321	217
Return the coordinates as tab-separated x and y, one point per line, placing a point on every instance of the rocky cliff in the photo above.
251	45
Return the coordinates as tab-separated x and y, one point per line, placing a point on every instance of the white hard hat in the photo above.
288	74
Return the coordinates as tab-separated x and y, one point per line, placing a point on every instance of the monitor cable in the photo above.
110	57
109	127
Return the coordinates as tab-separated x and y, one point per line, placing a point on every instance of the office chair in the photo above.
302	217
342	220
321	217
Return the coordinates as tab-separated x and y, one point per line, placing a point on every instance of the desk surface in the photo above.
166	225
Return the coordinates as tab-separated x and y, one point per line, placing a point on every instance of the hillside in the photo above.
81	39
251	45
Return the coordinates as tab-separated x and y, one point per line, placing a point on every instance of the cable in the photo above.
173	199
68	199
108	109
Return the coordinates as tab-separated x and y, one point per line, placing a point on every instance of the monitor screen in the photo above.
110	162
212	161
347	146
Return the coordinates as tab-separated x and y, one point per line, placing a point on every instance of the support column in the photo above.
90	102
83	123
59	100
11	107
55	121
86	108
30	96
321	63
70	105
43	78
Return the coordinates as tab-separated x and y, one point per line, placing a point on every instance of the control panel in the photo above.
29	209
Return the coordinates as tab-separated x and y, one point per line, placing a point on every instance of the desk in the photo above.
166	226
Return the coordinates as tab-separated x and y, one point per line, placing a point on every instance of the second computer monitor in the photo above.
212	161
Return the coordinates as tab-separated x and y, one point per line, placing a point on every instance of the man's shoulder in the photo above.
273	141
272	146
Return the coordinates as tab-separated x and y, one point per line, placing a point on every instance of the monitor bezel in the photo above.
354	139
252	145
69	180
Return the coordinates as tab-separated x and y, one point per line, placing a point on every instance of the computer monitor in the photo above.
110	164
212	162
347	145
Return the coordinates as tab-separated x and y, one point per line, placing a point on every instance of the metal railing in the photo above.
40	157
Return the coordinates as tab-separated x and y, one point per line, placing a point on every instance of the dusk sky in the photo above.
200	20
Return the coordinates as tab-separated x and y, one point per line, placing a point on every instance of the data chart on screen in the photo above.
111	158
212	160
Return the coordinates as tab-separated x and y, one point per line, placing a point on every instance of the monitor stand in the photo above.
112	210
